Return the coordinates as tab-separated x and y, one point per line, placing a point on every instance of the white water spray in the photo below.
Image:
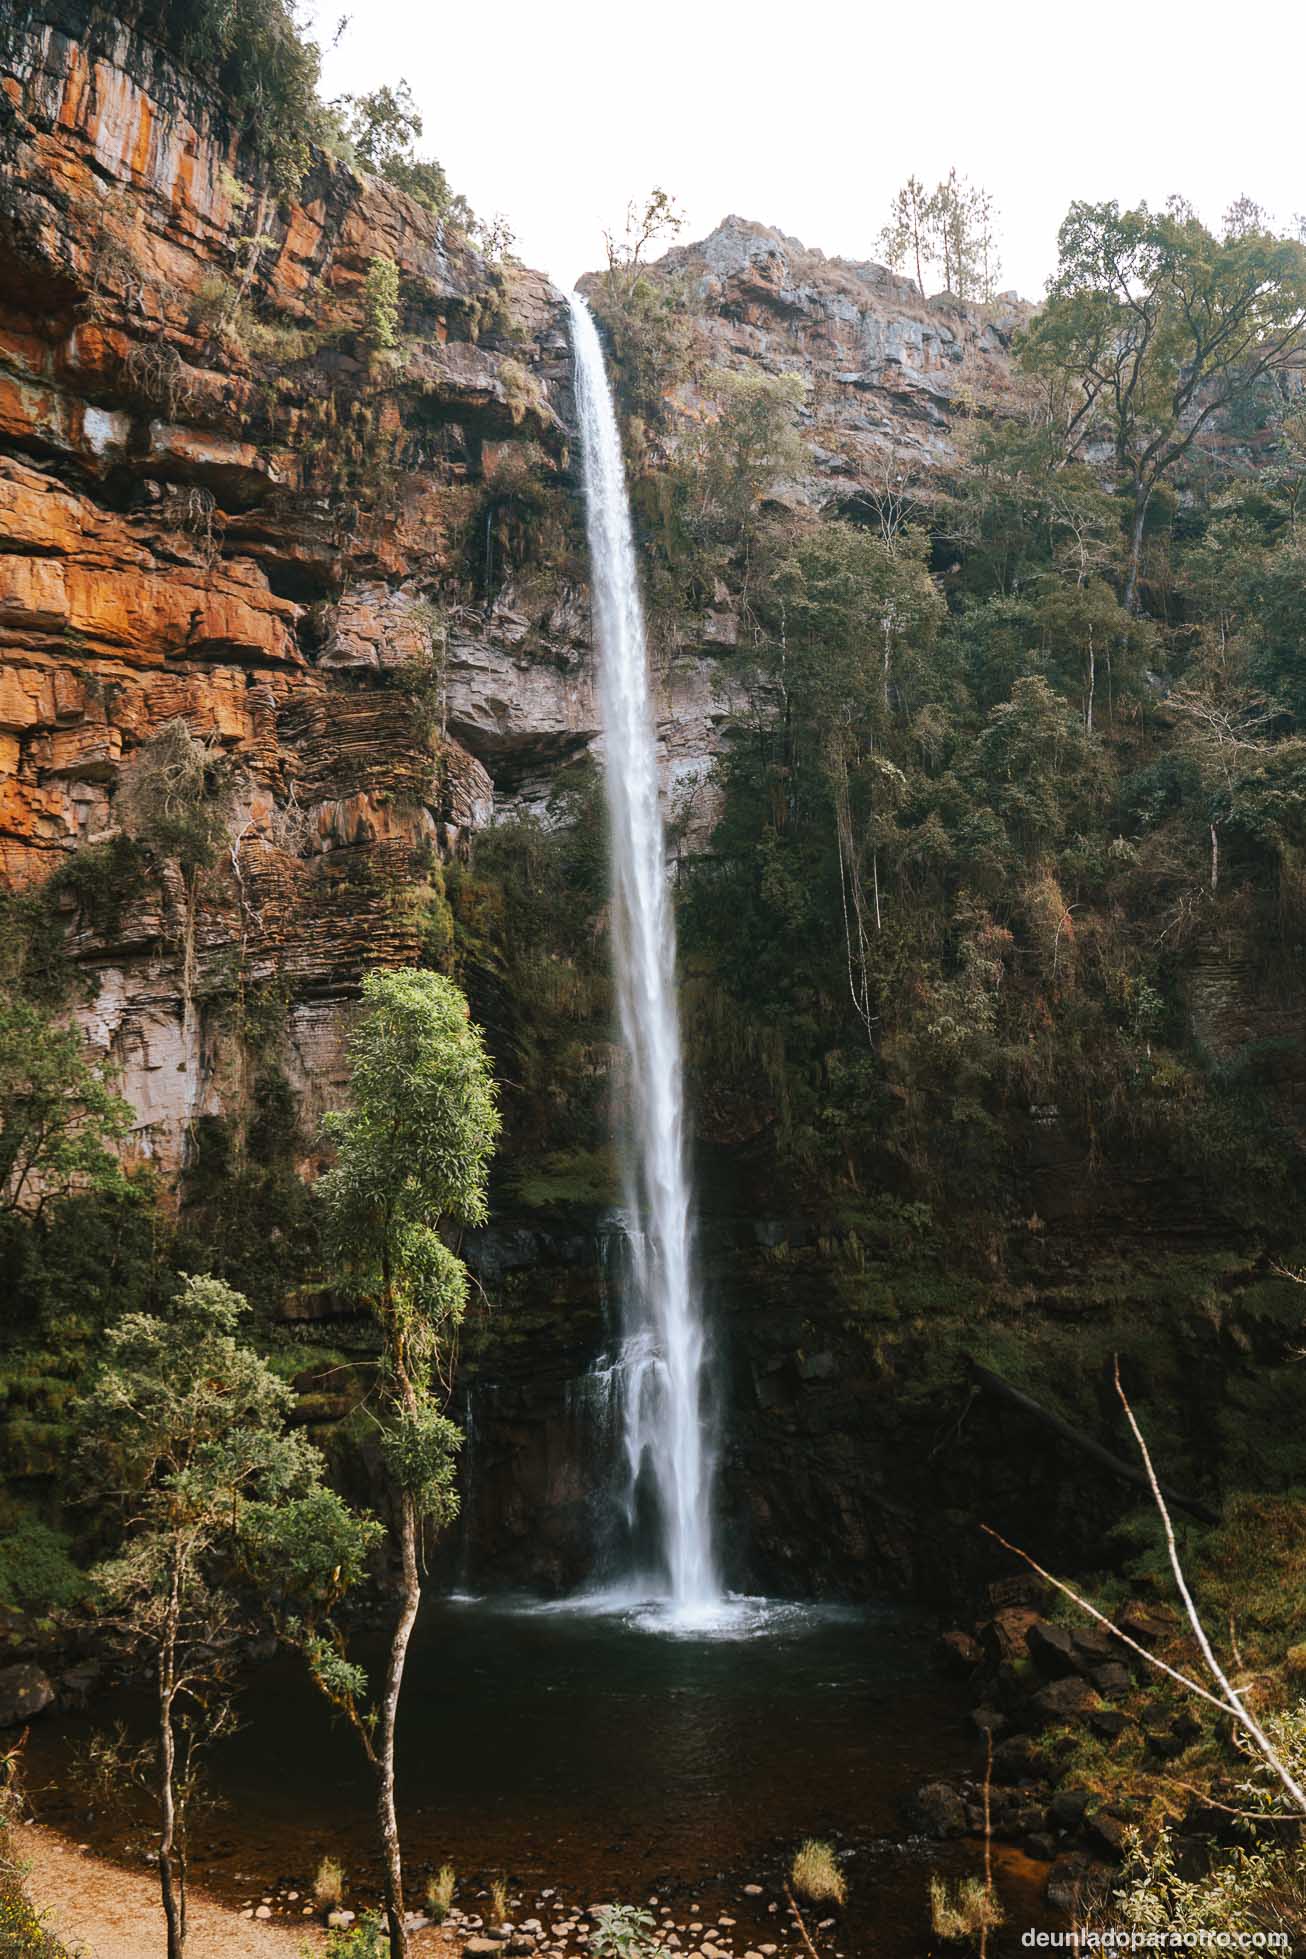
662	1360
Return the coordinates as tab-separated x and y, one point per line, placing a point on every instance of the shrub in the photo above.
36	1568
815	1874
622	1932
175	795
381	302
365	1940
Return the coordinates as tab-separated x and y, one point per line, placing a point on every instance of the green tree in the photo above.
184	1441
412	1152
752	443
59	1119
1153	327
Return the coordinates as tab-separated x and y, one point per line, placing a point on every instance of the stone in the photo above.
936	1810
1107	1830
1112	1678
957	1653
263	1911
1109	1722
340	1919
24	1691
1066	1880
1065	1700
1052	1650
1005	1634
988	1721
1068	1807
480	1947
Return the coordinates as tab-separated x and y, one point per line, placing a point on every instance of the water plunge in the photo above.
659	1369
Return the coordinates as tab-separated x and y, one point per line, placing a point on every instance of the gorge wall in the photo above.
358	573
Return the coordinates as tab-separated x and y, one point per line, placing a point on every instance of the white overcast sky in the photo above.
808	116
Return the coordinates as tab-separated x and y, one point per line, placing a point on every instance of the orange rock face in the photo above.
217	508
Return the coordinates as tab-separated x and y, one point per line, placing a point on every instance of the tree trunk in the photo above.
1141	497
171	1879
385	1738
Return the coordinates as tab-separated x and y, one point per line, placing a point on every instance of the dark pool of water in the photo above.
592	1752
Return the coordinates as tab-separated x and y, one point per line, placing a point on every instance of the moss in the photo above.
586	1177
37	1570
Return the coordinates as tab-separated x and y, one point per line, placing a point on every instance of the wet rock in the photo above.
937	1811
1041	1845
957	1653
1107	1830
1068	1807
1066	1880
1052	1650
24	1691
1005	1634
1017	1758
1065	1700
1093	1644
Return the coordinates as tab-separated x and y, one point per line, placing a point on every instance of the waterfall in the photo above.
661	1361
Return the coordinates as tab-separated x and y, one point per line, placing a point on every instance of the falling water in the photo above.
661	1362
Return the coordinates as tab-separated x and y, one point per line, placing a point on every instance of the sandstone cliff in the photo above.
219	505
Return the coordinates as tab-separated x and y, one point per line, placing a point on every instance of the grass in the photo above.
498	1901
439	1893
966	1912
815	1874
328	1885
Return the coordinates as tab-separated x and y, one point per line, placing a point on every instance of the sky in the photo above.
808	117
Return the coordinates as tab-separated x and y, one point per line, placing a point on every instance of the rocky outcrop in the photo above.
889	377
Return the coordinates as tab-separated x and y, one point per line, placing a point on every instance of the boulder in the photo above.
1107	1831
936	1810
24	1691
1065	1700
1052	1650
957	1653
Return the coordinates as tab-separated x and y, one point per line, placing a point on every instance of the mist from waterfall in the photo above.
659	1369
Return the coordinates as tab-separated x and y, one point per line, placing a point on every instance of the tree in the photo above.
656	217
1153	327
951	229
184	1441
58	1116
412	1151
904	238
751	443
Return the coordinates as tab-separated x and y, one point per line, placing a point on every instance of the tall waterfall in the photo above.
660	1370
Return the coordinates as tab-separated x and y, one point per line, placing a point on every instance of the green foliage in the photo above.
623	1932
364	1940
381	302
265	65
36	1567
59	1119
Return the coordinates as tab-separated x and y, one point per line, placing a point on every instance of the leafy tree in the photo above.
752	442
58	1116
1153	327
412	1151
185	1444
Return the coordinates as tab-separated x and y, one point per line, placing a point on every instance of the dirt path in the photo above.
102	1912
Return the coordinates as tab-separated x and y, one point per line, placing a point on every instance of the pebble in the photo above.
264	1911
752	1890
